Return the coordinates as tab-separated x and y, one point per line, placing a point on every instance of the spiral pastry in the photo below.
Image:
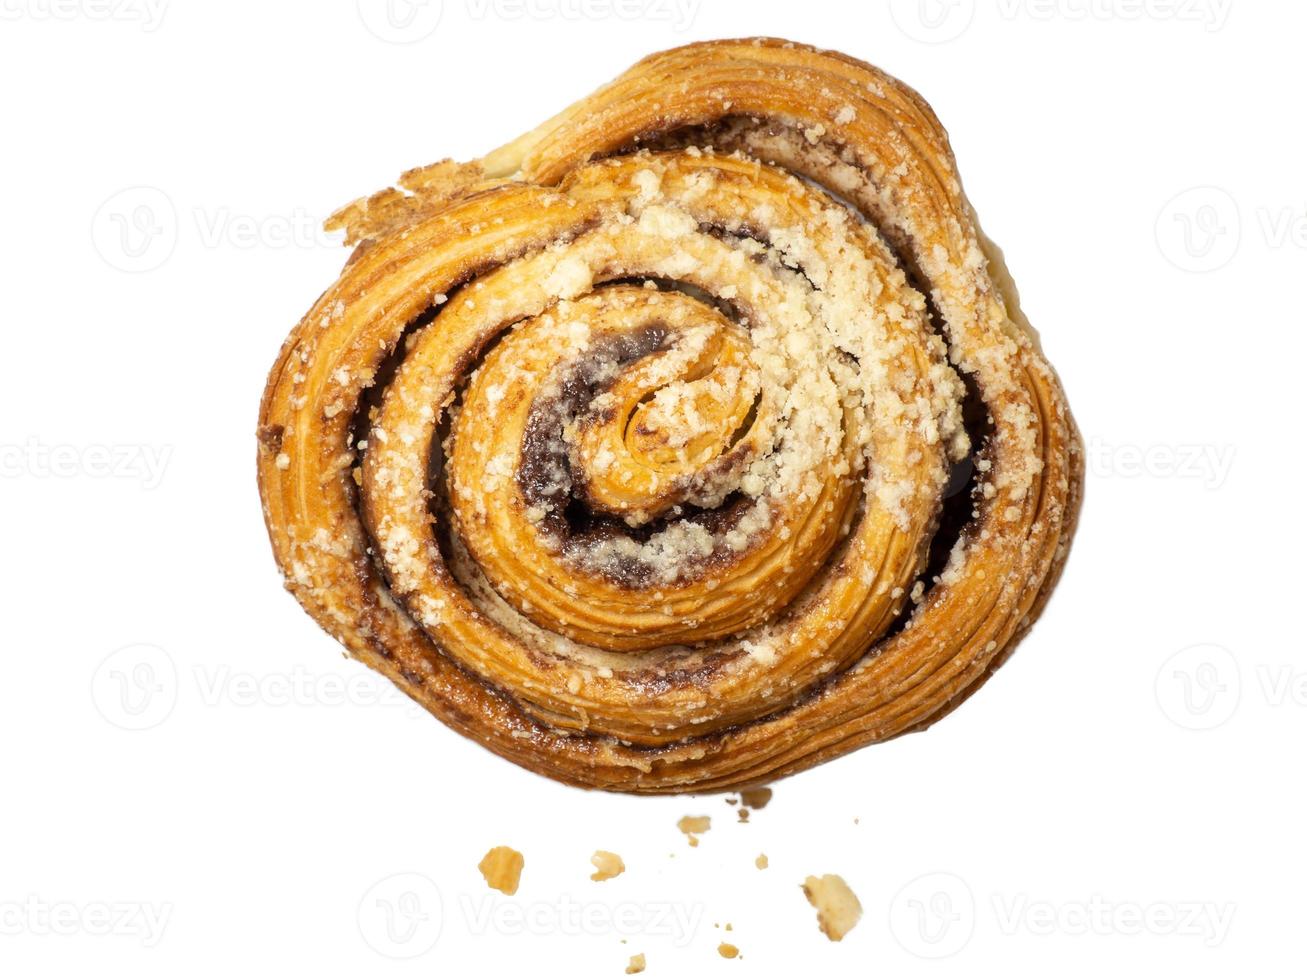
688	441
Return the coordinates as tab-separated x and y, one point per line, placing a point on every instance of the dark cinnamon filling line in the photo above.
544	472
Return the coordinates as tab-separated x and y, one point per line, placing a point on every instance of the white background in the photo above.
1124	797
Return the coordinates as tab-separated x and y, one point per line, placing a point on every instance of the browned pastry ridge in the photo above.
688	441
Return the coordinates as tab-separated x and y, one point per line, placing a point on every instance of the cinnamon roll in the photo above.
688	441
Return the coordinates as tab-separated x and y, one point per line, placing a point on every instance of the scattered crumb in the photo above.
692	826
728	951
637	964
607	865
838	909
760	862
749	800
502	869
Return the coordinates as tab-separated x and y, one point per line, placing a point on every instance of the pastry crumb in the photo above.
691	827
760	862
727	951
749	800
637	964
502	869
607	865
838	909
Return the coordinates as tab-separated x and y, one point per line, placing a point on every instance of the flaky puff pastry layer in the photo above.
688	441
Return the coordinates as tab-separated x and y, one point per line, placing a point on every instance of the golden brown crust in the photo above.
637	459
